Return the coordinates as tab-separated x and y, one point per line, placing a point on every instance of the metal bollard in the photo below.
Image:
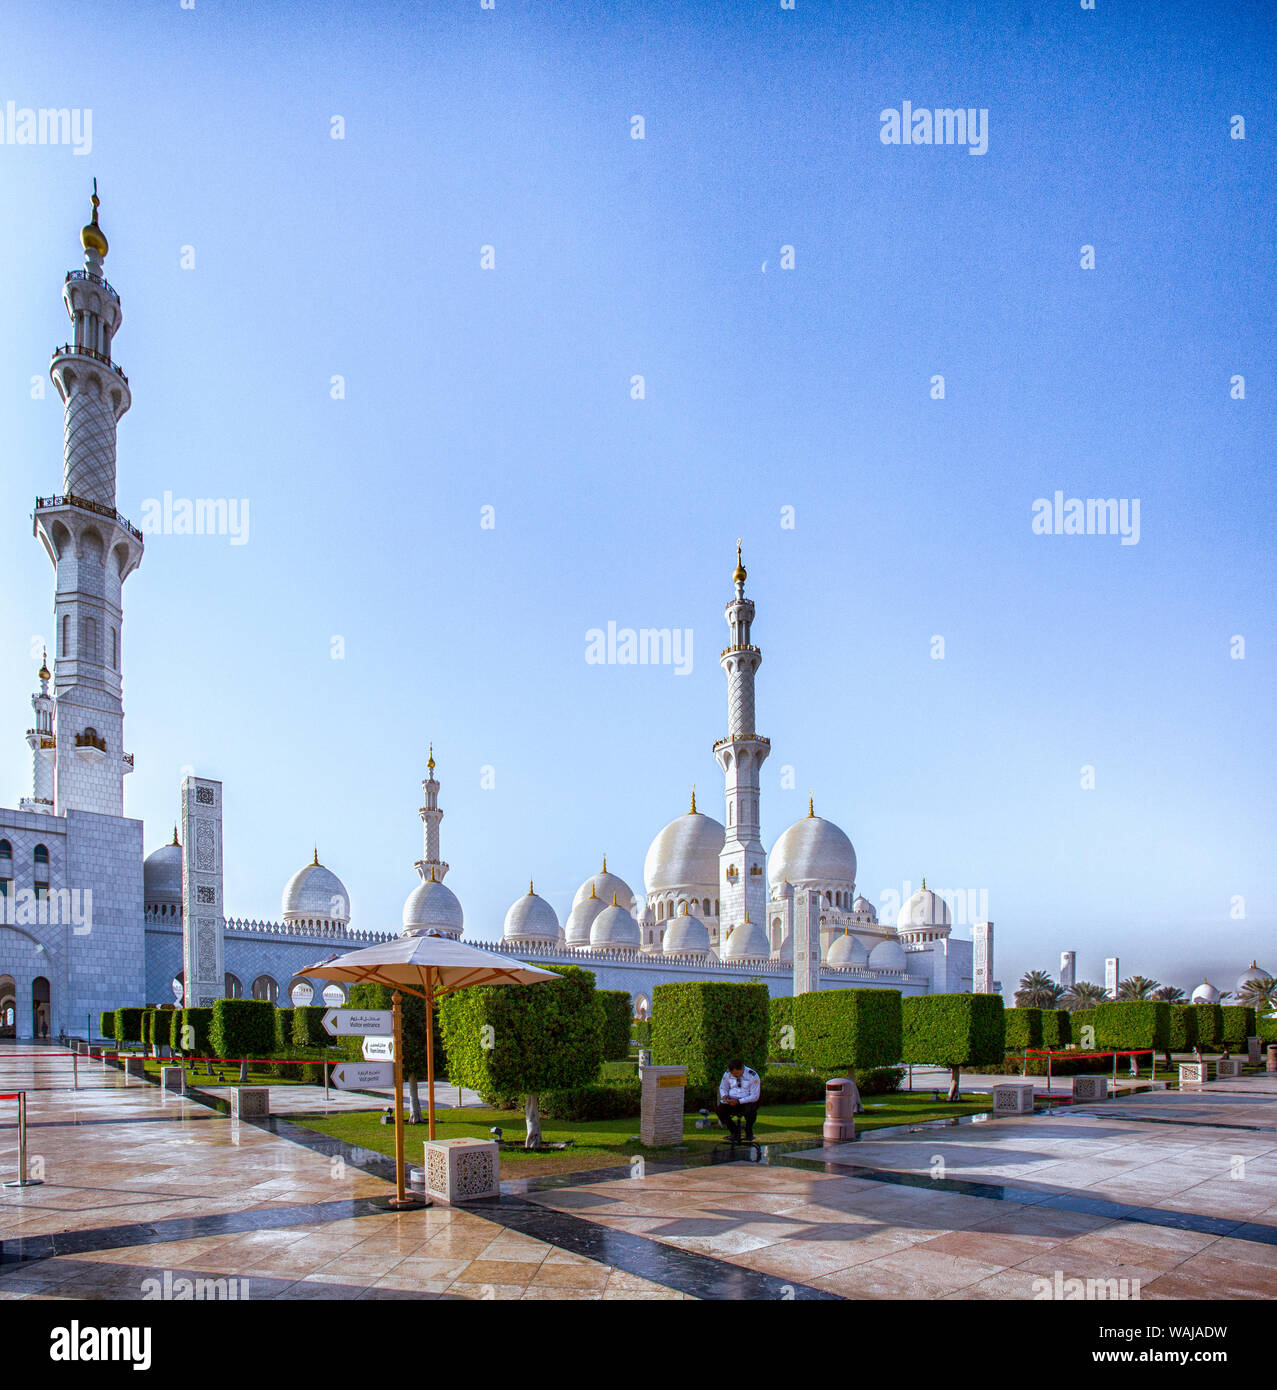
22	1180
75	1070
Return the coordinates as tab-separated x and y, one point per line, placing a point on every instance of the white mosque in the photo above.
86	923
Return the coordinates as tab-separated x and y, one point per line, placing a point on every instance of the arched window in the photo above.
706	907
115	650
41	855
715	907
232	987
265	988
66	634
660	912
6	850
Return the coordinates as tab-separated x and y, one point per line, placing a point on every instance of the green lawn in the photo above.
605	1143
203	1074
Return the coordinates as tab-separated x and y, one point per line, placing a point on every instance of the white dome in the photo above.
888	955
162	875
863	906
812	851
531	918
603	885
785	955
581	919
433	905
748	941
924	909
315	892
849	950
1256	972
614	927
1206	993
685	855
686	936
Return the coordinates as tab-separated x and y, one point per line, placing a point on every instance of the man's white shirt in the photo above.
744	1089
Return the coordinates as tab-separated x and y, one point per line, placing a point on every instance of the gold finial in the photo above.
530	889
747	914
693	811
92	237
315	861
43	672
175	834
605	863
430	762
593	894
432	874
811	806
924	883
739	575
613	897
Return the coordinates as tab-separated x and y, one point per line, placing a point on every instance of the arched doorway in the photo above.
8	1007
40	1012
234	990
642	1008
265	988
301	992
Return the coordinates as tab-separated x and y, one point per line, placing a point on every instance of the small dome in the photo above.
685	855
581	919
614	927
315	892
686	936
1206	993
162	875
924	909
864	908
848	950
531	919
1256	972
433	906
813	851
603	885
888	955
747	941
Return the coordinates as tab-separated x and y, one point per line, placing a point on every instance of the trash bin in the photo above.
840	1111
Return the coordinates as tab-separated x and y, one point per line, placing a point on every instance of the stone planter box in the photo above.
173	1079
462	1170
1090	1088
250	1102
1013	1098
661	1105
135	1066
1192	1073
1228	1067
1255	1051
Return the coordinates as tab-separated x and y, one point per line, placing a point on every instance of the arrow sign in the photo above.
362	1076
379	1049
354	1023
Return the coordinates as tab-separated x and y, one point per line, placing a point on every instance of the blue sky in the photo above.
766	389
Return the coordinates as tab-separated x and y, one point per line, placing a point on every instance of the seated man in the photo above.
738	1094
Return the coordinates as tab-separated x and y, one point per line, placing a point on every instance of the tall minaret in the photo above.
742	880
41	742
93	548
430	865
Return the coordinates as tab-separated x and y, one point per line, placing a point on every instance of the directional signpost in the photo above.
382	1032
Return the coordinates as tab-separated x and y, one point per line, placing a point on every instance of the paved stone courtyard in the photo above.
1177	1191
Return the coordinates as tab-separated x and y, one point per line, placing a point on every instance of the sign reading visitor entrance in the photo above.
354	1023
362	1076
379	1049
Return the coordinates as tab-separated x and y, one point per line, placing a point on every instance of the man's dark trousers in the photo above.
732	1115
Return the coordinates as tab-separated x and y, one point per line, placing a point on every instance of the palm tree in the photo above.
1259	994
1038	991
1171	993
1084	995
1136	987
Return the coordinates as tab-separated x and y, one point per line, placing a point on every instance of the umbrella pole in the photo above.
430	1052
400	1199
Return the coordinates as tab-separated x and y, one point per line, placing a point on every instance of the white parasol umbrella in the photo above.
428	965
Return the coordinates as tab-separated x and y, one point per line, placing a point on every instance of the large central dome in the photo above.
685	855
812	852
315	893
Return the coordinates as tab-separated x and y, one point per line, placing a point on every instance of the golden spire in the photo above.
43	672
315	861
605	863
530	889
811	806
693	811
613	897
432	873
430	762
924	883
747	914
92	237
175	834
593	894
738	576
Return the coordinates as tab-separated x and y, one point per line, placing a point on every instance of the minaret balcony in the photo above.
739	647
78	350
38	739
742	738
87	504
96	280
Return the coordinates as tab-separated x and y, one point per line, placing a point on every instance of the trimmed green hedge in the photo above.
1056	1029
1079	1021
1239	1024
308	1030
128	1025
954	1030
1121	1025
1183	1030
618	1018
1023	1029
375	996
1210	1026
106	1023
283	1029
847	1028
1266	1028
702	1025
243	1027
641	1032
780	1015
312	1073
197	1029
